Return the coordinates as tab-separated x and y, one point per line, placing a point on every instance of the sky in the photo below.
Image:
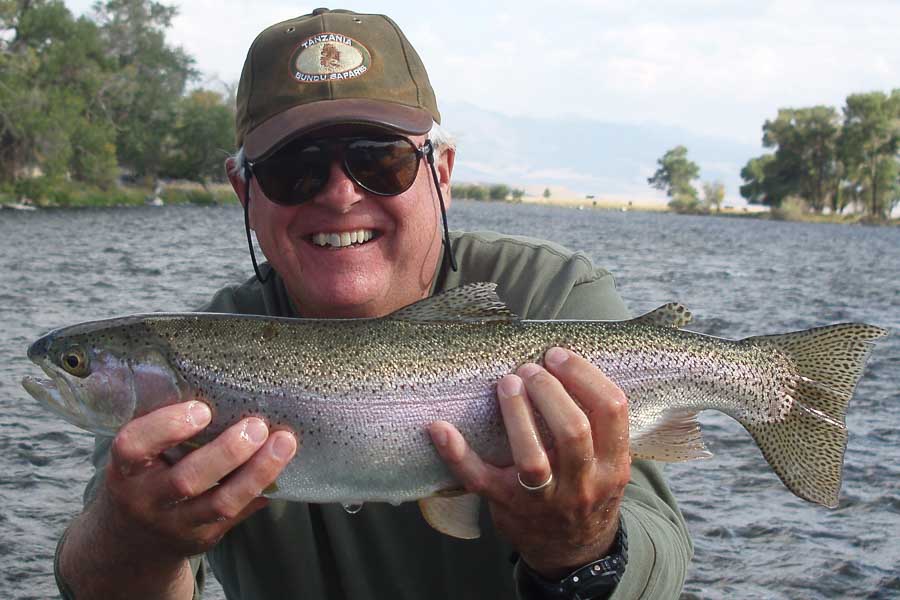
711	67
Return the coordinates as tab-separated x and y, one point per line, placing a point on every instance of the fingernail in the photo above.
509	386
527	370
284	446
439	436
255	431
198	414
555	357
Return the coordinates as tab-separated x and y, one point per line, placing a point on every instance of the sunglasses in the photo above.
384	165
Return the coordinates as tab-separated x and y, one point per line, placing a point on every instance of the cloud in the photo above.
710	66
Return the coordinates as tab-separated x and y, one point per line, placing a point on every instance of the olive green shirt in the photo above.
319	551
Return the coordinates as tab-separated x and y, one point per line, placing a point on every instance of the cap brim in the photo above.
303	118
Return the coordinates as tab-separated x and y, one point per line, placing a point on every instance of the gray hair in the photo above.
440	138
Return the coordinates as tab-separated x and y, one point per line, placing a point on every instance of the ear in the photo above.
237	182
445	171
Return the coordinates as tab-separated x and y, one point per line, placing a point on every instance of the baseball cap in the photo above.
326	68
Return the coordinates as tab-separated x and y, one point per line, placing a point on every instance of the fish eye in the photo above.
75	361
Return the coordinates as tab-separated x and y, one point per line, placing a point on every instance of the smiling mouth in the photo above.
344	239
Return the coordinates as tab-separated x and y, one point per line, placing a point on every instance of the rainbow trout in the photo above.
360	392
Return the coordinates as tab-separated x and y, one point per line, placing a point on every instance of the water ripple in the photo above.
739	277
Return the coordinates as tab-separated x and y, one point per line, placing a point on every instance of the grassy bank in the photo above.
70	195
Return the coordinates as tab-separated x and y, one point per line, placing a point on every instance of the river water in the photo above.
739	277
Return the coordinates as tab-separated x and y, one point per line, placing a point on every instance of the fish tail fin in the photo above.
805	437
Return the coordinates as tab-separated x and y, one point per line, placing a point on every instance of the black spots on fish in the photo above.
806	452
269	332
834	355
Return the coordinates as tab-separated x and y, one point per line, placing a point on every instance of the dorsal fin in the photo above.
672	314
472	302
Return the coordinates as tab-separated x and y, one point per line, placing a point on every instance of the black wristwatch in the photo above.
593	581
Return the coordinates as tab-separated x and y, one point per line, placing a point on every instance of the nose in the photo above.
39	349
340	192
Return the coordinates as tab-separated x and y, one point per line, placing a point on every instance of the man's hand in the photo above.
573	520
148	516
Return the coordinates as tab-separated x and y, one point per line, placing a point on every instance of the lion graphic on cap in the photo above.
330	57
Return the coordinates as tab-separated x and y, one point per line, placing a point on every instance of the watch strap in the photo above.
593	581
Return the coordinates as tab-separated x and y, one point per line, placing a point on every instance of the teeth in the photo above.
343	239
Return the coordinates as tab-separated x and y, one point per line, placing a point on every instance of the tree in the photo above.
713	195
203	133
546	192
478	192
869	146
805	160
674	175
52	115
517	194
498	191
756	188
150	79
460	190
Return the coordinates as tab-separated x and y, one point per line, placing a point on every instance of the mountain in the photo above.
581	155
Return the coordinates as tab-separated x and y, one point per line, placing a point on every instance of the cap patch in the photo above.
329	57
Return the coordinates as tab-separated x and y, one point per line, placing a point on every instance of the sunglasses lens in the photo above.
294	174
383	166
299	171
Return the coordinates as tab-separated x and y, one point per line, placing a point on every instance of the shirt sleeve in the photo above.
100	458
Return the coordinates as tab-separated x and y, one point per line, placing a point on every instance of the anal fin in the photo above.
676	438
455	515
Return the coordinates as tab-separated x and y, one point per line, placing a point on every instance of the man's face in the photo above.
392	269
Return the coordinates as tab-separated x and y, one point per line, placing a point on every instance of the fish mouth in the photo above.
44	391
58	395
50	393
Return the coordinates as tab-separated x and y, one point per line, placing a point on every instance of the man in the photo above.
337	126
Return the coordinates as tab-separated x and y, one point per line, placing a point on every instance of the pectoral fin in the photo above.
454	514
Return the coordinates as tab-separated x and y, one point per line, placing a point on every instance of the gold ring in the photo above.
534	488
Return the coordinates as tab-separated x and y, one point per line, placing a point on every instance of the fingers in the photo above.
570	427
573	519
528	452
202	469
476	475
140	442
186	507
602	401
238	495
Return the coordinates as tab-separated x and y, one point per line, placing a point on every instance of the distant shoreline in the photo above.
748	212
122	196
222	193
